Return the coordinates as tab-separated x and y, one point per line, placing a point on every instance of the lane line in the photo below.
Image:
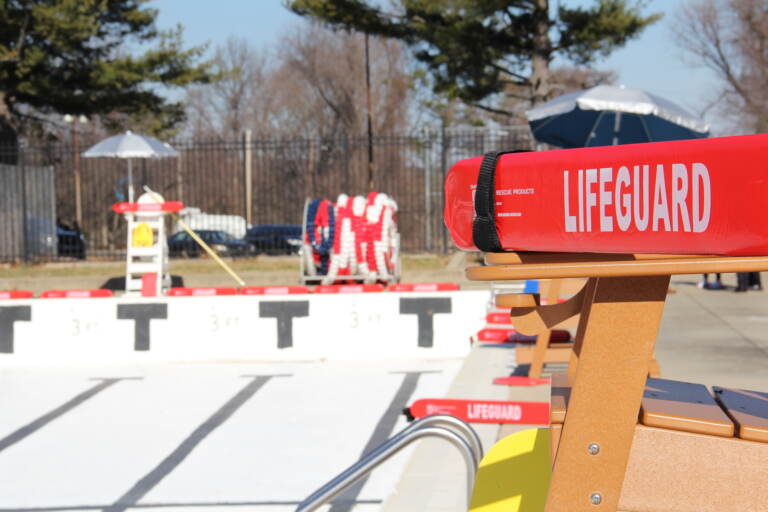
177	456
34	426
383	431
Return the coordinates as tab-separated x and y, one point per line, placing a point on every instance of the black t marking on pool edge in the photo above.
426	308
381	433
284	311
34	426
177	456
8	316
142	314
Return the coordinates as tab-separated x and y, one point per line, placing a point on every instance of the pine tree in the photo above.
72	56
478	49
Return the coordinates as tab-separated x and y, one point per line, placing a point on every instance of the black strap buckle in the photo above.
484	234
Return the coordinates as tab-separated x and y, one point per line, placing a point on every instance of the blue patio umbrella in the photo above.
608	115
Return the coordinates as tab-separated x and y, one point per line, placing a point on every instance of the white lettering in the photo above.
591	196
679	195
702	214
623	216
624	199
606	222
581	200
660	206
570	220
641	221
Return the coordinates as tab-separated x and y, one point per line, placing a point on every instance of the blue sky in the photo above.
653	62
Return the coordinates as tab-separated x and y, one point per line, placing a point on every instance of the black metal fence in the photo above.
55	204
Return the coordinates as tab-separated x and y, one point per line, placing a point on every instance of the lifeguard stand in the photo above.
146	265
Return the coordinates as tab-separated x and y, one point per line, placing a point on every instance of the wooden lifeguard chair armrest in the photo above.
517	266
531	318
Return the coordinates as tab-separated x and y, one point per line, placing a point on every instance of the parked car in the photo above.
181	244
196	219
274	238
71	242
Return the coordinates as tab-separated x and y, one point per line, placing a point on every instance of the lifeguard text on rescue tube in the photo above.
681	201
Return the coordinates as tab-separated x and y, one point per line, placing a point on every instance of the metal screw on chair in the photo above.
595	498
593	449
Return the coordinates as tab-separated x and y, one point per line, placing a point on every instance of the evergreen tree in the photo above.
478	49
72	56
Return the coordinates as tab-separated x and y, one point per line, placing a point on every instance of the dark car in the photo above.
70	241
181	244
274	238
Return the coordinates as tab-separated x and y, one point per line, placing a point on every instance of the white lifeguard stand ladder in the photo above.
146	264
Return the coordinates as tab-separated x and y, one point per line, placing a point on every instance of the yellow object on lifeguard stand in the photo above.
142	236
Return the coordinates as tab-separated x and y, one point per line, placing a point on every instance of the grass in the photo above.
197	266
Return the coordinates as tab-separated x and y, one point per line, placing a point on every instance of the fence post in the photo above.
248	173
24	235
426	147
179	179
443	171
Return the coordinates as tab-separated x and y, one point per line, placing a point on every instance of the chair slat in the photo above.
749	410
683	406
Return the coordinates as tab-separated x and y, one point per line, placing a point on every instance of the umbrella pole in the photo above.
616	128
592	130
130	182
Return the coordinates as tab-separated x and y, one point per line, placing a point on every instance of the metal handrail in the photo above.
470	449
364	466
451	423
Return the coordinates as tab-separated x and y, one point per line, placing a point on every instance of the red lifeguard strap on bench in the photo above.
75	294
349	288
201	292
498	318
423	287
681	197
482	411
168	206
500	335
520	380
273	290
15	294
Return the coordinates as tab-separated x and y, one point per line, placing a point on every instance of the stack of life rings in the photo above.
355	239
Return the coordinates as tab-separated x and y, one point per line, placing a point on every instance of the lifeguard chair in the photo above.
618	440
146	265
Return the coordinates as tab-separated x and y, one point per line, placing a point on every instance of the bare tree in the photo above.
323	83
730	37
224	108
311	84
562	80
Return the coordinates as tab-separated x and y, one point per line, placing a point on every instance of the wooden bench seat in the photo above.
687	407
749	411
683	406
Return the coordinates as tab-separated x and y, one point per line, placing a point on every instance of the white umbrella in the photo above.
130	145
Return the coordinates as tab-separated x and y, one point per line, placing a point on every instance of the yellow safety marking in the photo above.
514	475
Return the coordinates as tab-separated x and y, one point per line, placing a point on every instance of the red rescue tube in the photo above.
682	197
